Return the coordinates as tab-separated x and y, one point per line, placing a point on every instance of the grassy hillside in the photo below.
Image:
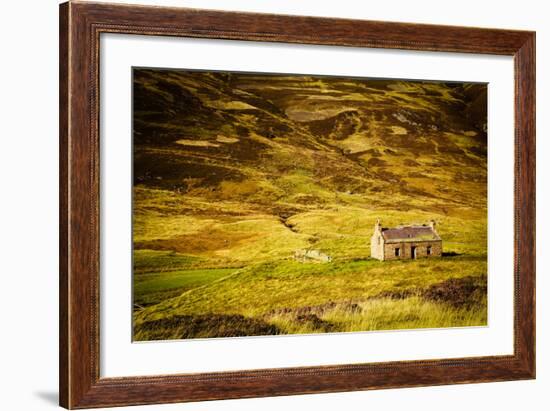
235	172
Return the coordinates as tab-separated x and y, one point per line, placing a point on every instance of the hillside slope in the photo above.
200	130
233	170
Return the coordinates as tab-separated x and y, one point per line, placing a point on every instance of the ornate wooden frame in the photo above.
80	27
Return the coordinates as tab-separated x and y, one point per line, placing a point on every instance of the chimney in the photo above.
432	224
377	226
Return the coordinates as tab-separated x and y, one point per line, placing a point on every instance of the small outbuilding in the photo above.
306	256
405	242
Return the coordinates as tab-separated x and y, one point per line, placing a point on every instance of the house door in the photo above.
413	252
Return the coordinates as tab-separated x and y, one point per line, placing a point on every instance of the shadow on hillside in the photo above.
450	254
203	326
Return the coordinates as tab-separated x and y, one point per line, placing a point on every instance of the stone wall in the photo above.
312	256
377	247
406	250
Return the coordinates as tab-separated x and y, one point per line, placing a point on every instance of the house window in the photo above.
378	240
397	252
429	250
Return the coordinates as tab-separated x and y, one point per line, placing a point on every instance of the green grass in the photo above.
150	261
218	219
275	292
290	284
382	314
235	265
153	288
371	315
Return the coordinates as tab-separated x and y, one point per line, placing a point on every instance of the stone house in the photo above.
407	242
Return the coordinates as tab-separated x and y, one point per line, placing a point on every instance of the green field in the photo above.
308	298
233	175
259	288
154	288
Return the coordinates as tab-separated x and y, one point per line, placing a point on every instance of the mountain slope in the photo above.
196	131
235	173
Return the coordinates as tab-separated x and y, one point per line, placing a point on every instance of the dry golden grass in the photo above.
234	173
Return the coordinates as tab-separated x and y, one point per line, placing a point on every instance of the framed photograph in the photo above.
258	205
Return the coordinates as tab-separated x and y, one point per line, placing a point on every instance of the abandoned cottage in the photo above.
408	242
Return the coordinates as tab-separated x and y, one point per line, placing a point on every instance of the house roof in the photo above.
409	233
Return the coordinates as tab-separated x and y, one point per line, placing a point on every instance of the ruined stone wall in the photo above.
406	250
